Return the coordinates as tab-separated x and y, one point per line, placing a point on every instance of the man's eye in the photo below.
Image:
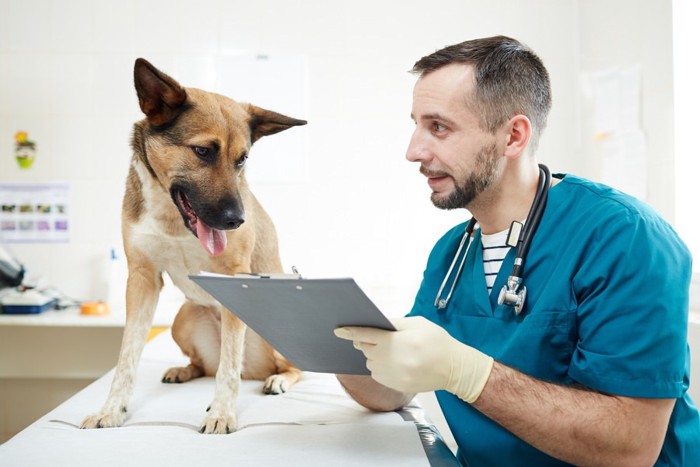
201	151
439	127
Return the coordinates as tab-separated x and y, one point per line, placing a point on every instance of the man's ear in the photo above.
161	98
266	122
519	132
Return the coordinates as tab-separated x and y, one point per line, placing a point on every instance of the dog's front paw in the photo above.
275	384
104	419
218	423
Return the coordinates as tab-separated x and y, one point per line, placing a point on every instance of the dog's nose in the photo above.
232	219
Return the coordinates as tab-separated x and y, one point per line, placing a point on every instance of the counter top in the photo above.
71	317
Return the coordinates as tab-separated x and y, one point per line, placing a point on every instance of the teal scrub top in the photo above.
607	308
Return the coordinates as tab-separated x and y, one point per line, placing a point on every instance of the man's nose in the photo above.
417	150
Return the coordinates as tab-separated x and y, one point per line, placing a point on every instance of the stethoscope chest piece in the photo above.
510	295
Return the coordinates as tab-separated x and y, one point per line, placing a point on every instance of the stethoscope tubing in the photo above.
533	220
522	247
441	303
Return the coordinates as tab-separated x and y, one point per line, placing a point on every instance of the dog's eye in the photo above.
201	151
241	161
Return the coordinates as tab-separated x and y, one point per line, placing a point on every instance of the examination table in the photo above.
314	424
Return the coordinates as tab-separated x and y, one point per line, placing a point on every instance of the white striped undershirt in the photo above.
494	250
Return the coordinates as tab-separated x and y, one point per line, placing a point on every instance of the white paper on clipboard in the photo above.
298	316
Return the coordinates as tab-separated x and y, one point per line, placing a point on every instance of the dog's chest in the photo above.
179	256
162	237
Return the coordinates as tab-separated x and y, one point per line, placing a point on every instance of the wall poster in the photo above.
34	212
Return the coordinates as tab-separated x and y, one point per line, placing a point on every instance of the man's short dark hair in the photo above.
510	80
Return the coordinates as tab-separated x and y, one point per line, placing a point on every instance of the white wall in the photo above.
66	71
65	76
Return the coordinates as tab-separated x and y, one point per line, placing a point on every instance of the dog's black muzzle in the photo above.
223	214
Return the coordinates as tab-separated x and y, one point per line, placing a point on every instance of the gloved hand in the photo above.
421	356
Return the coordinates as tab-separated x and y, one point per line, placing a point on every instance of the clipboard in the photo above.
297	316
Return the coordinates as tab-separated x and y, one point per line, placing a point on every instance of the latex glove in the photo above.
421	356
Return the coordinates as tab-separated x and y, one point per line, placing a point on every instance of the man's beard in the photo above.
481	178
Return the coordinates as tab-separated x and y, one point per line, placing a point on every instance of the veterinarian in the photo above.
591	365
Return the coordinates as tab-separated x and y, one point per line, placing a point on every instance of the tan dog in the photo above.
188	208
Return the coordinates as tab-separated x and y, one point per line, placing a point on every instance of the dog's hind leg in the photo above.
264	363
287	375
197	330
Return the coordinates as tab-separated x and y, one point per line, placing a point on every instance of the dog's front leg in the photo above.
142	290
221	416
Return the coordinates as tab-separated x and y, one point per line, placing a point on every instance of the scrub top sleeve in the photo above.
632	296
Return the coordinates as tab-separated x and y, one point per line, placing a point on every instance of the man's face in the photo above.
459	158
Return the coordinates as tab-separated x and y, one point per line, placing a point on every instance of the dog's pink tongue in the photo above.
214	241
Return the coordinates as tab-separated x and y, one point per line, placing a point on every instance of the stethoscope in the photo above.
519	236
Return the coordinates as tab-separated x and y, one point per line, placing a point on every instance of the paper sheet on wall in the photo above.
276	83
616	96
624	163
34	212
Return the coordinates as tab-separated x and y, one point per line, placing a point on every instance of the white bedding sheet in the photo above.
313	424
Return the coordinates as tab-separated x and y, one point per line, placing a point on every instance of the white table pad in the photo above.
313	424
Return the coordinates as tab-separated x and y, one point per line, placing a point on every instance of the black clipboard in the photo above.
297	316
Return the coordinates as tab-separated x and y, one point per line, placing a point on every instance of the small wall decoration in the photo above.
25	150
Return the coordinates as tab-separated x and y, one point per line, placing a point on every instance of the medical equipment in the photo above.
441	303
25	302
519	236
11	270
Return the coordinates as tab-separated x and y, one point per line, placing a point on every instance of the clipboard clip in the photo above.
295	274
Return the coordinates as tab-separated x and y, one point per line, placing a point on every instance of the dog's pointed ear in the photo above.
161	98
266	122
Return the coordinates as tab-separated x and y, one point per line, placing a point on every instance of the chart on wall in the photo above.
34	212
